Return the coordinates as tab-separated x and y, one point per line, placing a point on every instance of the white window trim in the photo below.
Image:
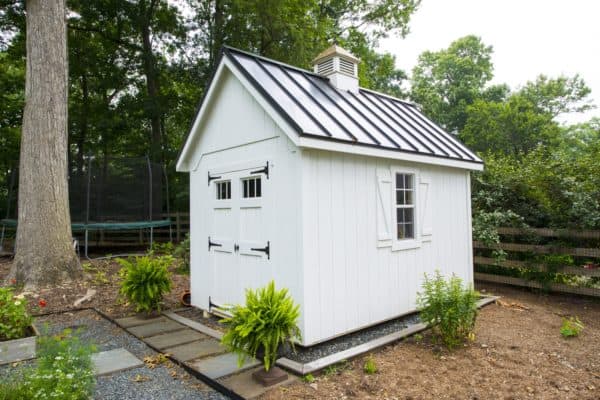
405	244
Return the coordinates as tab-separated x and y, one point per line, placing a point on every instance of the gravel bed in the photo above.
195	314
312	353
138	383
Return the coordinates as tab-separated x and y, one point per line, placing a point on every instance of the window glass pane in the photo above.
399	197
399	181
408	181
400	215
258	188
408	231
228	196
245	183
408	196
251	190
400	231
408	215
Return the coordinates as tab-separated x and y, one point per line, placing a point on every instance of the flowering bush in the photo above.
14	319
64	369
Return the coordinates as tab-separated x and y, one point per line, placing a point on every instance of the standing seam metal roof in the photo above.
316	109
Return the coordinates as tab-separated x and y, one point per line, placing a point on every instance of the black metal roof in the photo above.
317	109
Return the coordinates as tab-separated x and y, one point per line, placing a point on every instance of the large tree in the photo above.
44	252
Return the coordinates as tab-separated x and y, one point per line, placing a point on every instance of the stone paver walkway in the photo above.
110	361
199	348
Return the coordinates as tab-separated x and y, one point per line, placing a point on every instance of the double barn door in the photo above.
238	246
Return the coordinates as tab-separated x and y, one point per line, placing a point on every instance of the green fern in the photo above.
266	321
145	281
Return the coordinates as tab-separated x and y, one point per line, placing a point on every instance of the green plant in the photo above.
308	378
145	281
571	327
64	371
449	308
182	252
370	367
267	320
337	368
14	319
165	248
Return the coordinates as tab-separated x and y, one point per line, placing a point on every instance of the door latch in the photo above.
236	247
266	250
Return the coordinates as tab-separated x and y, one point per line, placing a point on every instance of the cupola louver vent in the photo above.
326	67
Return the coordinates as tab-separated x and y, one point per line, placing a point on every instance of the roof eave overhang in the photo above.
308	142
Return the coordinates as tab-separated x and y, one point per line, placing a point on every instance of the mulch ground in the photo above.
518	353
103	277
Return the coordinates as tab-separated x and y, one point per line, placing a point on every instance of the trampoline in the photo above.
109	194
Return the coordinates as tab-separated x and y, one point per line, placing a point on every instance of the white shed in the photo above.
343	195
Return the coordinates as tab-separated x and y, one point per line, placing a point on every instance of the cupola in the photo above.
340	66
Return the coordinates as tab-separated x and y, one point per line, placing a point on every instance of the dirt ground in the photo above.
518	353
101	276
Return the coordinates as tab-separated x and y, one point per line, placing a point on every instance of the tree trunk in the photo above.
44	253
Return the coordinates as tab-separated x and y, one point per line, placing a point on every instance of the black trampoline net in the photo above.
110	190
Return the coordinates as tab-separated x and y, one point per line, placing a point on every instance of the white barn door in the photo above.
238	246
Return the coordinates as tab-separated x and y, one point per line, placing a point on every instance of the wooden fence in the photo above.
583	247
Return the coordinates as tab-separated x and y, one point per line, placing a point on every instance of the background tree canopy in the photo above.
138	69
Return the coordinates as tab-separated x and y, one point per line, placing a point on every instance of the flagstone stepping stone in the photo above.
220	366
136	320
176	338
198	349
247	387
17	350
155	328
108	362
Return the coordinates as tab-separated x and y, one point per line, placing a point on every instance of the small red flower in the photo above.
13	281
42	303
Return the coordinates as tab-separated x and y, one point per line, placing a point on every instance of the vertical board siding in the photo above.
357	283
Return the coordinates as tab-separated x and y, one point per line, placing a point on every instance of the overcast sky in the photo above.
529	37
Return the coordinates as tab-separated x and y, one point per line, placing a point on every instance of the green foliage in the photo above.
449	308
370	367
308	378
446	82
182	252
571	327
64	370
166	248
267	320
14	319
145	281
337	368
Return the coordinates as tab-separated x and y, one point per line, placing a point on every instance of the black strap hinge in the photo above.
263	170
266	250
212	178
211	244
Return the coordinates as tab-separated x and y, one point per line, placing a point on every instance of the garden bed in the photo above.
518	353
162	381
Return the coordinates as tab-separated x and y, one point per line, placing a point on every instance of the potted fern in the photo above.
258	329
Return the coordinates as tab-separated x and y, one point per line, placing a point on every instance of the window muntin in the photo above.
405	206
223	190
251	187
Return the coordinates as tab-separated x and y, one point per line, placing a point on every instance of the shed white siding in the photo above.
351	281
239	132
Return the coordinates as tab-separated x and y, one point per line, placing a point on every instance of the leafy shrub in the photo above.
370	367
449	308
182	251
165	248
64	371
145	281
308	378
571	327
14	319
266	321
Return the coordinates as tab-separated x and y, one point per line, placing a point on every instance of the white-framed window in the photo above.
404	185
252	187
223	190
